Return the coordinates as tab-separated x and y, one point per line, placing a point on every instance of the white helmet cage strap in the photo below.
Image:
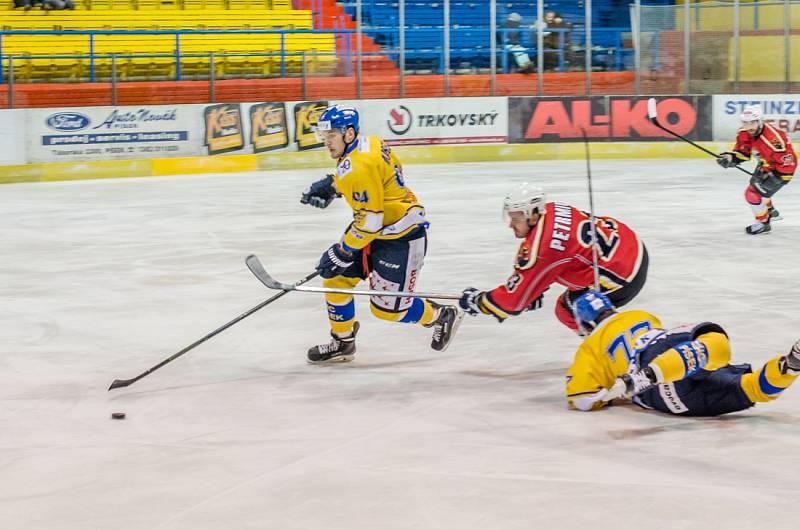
524	198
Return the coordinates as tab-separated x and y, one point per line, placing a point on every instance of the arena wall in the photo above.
108	142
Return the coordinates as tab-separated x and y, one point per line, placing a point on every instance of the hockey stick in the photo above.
591	212
263	276
653	115
121	383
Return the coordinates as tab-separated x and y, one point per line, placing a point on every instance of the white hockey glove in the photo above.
629	385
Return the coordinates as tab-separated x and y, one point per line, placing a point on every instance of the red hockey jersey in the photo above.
558	250
774	147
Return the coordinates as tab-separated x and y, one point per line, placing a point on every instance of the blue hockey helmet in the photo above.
338	117
588	307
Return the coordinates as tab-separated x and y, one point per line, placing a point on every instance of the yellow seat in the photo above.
153	56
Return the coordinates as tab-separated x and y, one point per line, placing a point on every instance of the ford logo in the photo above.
67	121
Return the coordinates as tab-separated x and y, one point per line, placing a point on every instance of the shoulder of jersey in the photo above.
626	317
776	137
530	247
356	157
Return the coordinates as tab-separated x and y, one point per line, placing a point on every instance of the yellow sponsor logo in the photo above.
223	128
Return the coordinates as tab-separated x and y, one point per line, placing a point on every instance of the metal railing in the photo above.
691	48
717	47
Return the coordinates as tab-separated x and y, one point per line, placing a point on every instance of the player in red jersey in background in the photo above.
557	248
775	170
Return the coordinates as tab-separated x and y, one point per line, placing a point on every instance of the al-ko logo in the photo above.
623	118
67	121
400	119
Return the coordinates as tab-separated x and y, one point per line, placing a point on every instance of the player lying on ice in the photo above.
386	242
683	370
557	248
778	164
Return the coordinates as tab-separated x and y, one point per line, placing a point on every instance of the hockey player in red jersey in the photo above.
557	248
777	166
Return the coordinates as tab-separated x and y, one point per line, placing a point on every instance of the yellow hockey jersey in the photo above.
370	178
605	355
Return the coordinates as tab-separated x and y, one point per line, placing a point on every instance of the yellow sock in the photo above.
341	307
767	383
428	314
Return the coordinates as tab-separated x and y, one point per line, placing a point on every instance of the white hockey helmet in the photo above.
752	113
524	198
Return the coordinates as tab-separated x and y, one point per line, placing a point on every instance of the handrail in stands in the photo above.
177	32
391	51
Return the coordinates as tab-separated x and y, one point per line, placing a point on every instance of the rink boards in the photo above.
107	142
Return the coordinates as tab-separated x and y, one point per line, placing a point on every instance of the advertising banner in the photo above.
97	133
606	118
780	110
429	121
12	137
268	128
306	116
102	133
224	131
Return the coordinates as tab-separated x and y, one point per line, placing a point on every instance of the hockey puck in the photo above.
117	415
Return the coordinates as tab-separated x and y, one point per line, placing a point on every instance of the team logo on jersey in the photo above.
345	167
360	196
400	120
524	255
788	160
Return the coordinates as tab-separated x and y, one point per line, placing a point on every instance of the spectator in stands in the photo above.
510	41
553	40
59	4
45	4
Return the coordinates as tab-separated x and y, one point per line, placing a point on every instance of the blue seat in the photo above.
470	38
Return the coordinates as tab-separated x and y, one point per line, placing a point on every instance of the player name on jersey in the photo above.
562	227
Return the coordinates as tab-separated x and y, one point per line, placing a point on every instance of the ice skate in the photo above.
791	363
758	228
774	215
445	325
338	350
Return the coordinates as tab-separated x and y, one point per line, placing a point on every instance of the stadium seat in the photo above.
66	56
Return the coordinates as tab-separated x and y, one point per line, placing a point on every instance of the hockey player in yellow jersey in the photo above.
385	243
684	370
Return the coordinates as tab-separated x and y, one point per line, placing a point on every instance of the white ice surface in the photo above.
102	279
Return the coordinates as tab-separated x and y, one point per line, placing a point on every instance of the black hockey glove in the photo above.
727	160
763	173
470	300
766	182
334	261
320	194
